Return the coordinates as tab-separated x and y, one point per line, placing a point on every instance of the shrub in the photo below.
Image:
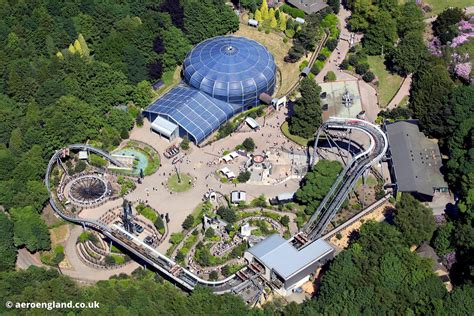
139	120
285	220
227	214
80	166
109	260
261	201
285	40
368	76
289	33
331	44
213	275
159	224
321	57
97	161
210	233
188	222
361	69
249	144
294	12
267	31
303	64
225	130
330	76
176	238
260	28
185	143
315	69
344	64
353	60
243	176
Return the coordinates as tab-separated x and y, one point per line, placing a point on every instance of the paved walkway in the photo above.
81	271
403	92
25	259
368	93
180	205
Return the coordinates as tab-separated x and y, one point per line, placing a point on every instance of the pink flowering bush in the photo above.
434	47
440	220
449	259
465	26
467	31
463	70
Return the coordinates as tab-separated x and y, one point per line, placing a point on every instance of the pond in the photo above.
141	159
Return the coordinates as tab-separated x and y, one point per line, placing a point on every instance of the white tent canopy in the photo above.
164	127
252	123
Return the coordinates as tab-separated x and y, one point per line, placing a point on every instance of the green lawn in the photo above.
439	5
388	83
297	139
176	186
147	212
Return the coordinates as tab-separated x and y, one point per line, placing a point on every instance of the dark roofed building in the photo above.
427	252
415	161
308	6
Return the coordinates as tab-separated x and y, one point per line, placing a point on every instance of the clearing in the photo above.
289	73
388	83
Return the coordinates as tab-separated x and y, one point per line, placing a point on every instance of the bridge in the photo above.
348	177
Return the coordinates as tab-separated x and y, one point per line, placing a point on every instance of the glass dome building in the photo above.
223	76
232	69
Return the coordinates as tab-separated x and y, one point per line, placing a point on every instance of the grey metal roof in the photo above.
250	121
308	6
163	126
278	254
286	196
416	159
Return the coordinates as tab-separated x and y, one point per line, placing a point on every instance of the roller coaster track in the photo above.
170	269
185	278
348	177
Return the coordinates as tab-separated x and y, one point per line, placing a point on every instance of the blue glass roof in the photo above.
232	69
194	111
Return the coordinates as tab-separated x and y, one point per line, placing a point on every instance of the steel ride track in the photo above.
348	177
169	268
234	283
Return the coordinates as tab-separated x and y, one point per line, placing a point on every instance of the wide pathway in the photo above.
403	92
368	93
80	271
179	205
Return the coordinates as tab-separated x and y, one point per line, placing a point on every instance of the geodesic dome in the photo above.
232	69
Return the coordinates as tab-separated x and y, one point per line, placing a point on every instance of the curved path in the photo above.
136	247
186	279
347	179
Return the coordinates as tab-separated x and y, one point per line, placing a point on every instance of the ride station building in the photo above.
283	265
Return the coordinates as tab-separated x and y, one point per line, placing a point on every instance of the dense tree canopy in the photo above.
208	18
378	274
306	117
430	89
143	293
29	229
7	247
414	220
445	25
410	54
316	184
381	35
